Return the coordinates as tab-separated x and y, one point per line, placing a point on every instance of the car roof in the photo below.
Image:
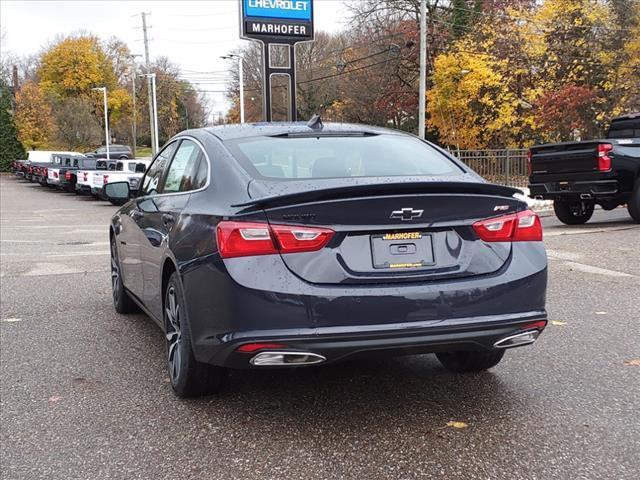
247	130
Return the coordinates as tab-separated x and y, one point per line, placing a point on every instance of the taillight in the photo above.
45	172
67	175
517	227
538	325
105	178
241	239
55	174
529	167
604	160
254	347
85	176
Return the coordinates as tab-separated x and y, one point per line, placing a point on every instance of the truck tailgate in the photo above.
568	157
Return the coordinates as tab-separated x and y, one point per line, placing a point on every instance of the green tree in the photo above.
10	147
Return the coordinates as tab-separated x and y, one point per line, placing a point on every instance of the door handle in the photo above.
167	219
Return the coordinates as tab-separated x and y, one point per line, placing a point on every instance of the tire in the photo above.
633	204
469	361
189	378
573	213
121	300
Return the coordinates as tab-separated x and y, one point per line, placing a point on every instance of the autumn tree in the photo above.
10	147
74	66
34	118
77	125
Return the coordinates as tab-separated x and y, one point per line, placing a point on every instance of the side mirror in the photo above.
117	193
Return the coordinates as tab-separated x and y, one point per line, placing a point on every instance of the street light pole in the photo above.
241	80
155	112
106	118
134	126
423	68
153	107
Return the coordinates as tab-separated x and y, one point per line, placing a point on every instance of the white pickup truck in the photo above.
130	171
84	178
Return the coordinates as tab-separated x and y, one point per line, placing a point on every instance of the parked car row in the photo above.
78	173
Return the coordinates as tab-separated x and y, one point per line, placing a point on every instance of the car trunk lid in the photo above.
406	232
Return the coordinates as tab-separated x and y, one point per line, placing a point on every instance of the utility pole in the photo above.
152	126
423	68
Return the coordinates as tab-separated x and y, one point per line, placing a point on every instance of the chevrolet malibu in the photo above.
293	244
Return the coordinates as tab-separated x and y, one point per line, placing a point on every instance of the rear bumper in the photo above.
97	191
339	343
258	299
578	190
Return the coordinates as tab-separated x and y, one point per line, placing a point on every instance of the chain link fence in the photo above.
502	166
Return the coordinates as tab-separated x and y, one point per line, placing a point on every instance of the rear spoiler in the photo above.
381	189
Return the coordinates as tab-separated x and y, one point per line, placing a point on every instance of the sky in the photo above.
193	34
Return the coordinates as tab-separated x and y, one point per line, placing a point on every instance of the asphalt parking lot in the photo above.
84	391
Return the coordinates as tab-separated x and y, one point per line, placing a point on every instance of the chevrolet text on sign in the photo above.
294	9
277	21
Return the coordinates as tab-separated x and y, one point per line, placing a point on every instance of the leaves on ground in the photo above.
600	313
633	363
558	323
455	424
12	320
55	398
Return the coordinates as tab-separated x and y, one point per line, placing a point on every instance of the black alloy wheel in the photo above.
188	377
121	300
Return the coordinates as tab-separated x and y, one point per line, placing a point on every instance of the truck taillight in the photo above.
85	176
55	174
516	227
105	178
529	167
67	175
242	239
604	160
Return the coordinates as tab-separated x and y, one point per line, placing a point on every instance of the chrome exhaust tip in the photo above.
269	359
517	340
585	196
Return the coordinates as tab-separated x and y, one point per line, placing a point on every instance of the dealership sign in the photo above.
277	21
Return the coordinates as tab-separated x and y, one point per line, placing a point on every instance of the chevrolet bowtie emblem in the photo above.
406	214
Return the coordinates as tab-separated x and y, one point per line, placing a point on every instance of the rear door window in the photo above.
183	171
151	182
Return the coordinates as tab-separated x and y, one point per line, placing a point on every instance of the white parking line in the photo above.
583	267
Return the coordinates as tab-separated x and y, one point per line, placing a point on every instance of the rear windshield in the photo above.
340	157
625	129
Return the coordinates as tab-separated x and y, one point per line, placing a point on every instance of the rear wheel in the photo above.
121	300
633	205
189	378
573	213
469	361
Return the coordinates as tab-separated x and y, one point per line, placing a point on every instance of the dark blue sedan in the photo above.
282	245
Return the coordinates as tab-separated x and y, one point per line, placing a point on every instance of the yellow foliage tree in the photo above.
34	119
74	66
469	104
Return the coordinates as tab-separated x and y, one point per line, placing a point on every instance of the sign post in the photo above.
280	23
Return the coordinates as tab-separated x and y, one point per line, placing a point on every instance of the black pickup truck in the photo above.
577	176
67	174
